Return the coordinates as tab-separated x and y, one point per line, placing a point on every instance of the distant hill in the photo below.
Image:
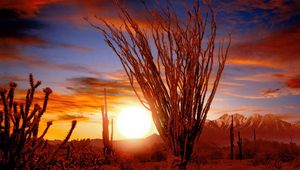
268	127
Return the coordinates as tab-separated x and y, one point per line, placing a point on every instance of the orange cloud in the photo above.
293	83
277	50
29	9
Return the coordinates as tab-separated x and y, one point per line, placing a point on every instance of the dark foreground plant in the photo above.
173	64
20	145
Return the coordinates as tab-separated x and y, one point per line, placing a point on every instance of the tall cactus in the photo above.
254	135
20	146
240	143
112	133
231	138
254	138
107	144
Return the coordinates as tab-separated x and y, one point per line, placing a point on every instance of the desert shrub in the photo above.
274	165
158	155
249	149
263	159
275	153
288	153
216	154
125	161
153	156
141	156
126	166
199	159
80	154
296	163
207	151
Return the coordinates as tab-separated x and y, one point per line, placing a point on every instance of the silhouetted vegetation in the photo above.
107	142
231	133
178	84
240	144
271	155
20	145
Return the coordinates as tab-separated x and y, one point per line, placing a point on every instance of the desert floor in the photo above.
210	165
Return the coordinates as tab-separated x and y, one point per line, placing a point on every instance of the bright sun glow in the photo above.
134	122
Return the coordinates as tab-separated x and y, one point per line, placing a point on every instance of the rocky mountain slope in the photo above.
268	127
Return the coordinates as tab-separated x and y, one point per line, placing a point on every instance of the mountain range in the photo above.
267	127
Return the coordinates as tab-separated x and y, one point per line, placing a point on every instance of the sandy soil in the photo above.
211	165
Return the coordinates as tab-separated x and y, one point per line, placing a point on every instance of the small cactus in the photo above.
231	139
254	138
254	135
240	143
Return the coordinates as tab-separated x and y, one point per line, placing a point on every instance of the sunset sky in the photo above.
51	39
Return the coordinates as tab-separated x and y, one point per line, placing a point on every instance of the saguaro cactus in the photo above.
20	146
240	143
254	135
254	138
231	138
107	144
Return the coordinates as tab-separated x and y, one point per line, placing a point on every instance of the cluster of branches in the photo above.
20	145
175	75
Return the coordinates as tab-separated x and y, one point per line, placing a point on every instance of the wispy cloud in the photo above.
258	12
88	85
293	83
277	50
271	93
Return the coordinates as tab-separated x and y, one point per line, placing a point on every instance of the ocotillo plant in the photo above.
20	146
231	139
173	64
107	144
240	143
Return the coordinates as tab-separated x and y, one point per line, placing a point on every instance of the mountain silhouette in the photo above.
267	127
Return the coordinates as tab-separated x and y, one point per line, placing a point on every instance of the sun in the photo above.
134	122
